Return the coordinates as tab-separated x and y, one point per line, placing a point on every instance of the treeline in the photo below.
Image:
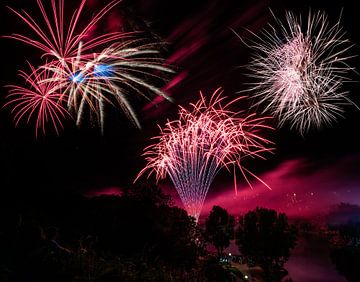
137	236
263	236
345	242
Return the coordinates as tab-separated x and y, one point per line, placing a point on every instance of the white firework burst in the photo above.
109	77
300	69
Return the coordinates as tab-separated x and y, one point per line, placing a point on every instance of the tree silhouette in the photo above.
265	239
219	228
135	236
346	254
347	261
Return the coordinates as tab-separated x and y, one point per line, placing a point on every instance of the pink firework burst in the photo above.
300	69
110	76
92	71
41	101
194	148
59	37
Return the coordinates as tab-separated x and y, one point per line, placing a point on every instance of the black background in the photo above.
82	160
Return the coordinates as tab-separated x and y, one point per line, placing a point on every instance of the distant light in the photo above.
246	277
230	254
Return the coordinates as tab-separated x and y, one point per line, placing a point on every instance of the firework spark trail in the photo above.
113	73
39	101
92	72
61	40
194	148
300	70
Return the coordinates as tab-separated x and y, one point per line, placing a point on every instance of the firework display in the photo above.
300	69
91	70
39	101
109	77
55	38
194	148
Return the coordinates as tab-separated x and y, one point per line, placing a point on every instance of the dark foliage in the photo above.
346	251
138	236
347	261
219	228
265	238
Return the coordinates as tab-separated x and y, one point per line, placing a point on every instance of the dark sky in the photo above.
206	55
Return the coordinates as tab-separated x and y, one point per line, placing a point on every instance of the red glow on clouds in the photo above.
247	17
173	83
92	3
190	36
115	191
186	51
114	22
298	189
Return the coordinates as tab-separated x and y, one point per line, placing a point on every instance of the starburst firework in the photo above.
109	77
61	40
40	101
300	71
92	71
194	148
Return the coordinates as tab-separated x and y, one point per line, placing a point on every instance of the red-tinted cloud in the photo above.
105	191
299	188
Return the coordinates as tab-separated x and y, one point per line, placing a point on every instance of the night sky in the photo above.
307	174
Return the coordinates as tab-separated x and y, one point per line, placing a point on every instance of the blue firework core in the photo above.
103	70
77	77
